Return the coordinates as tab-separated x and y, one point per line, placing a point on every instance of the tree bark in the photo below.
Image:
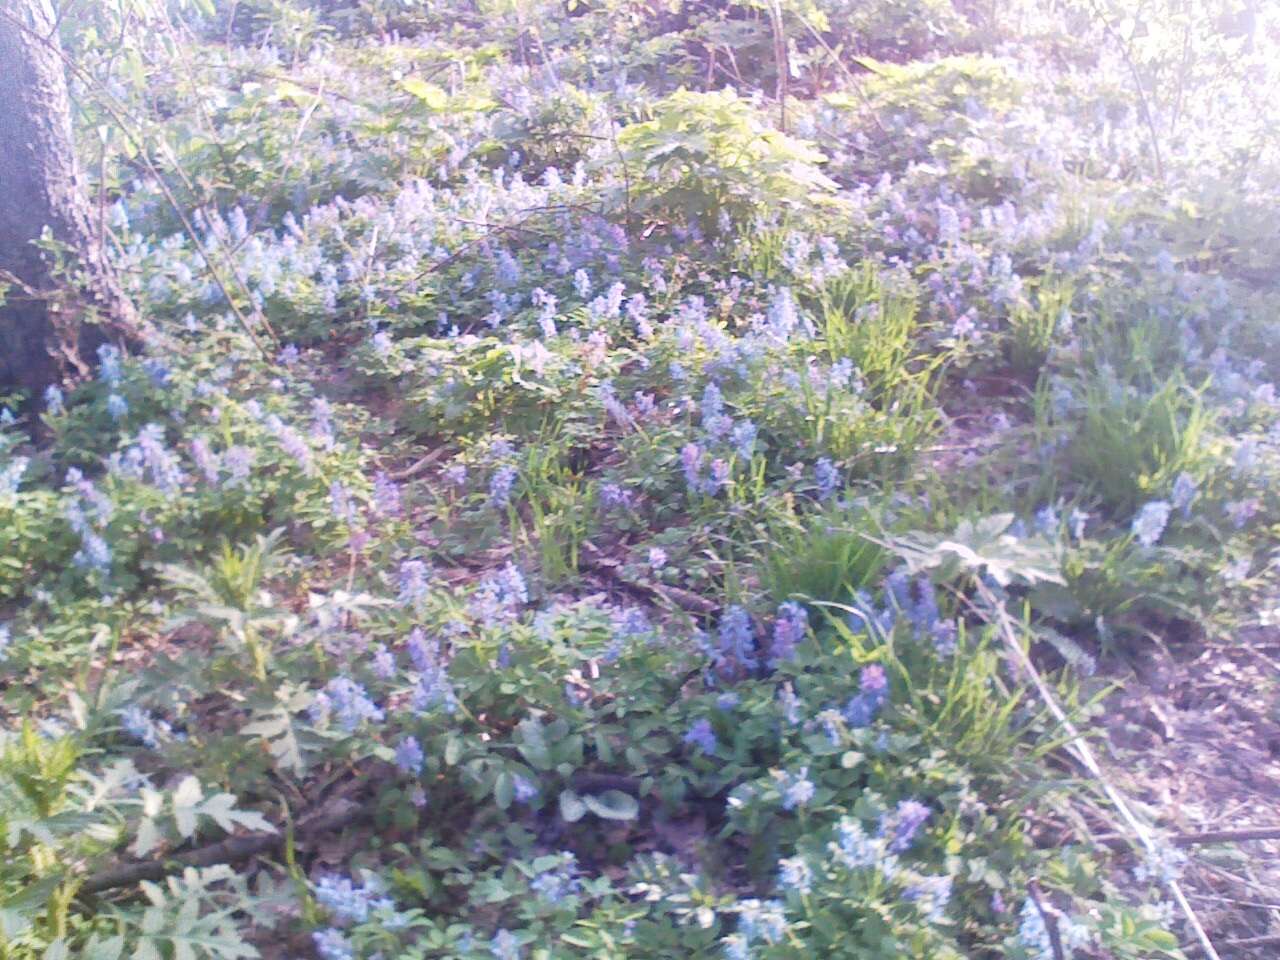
45	328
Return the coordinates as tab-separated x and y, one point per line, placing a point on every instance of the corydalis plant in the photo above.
230	595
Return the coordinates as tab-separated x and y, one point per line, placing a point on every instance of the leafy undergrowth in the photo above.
565	508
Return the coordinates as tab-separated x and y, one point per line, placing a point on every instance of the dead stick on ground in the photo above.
1049	919
677	596
1254	942
1080	748
420	466
1225	836
234	850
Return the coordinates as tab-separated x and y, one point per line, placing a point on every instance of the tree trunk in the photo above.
43	329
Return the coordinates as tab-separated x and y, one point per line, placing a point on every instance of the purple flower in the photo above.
349	902
766	921
94	553
854	847
332	945
932	894
434	689
795	874
783	319
384	664
718	478
500	485
386	495
632	622
1047	520
903	823
636	306
897	588
1240	512
559	882
924	614
944	634
797	789
712	403
139	724
238	462
206	460
340	502
348	703
292	443
409	756
827	478
524	790
873	680
109	363
150	458
612	495
504	945
1149	524
455	474
614	407
157	370
322	423
425	655
691	461
414	578
737	639
703	737
788	630
744	439
717	427
873	690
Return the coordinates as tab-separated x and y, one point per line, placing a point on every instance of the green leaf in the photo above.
221	809
185	799
984	545
19	911
147	839
504	790
533	745
572	807
433	97
878	67
108	949
276	727
604	749
613	805
452	750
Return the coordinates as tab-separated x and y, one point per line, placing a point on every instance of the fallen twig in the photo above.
1268	941
419	466
1081	750
1050	918
686	600
1225	836
232	850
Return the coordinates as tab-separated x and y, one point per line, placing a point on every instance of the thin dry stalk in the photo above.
1084	754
